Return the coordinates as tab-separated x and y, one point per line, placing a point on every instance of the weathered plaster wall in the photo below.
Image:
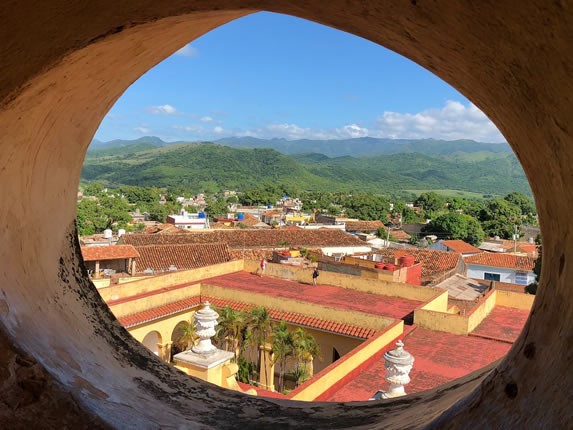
65	62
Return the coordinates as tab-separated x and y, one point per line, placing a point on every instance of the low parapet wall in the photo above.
386	288
435	315
151	283
332	375
515	300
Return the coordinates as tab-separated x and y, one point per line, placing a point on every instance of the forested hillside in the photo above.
200	165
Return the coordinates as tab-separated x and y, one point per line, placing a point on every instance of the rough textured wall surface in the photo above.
65	62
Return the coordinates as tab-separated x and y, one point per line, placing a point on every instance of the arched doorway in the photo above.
151	341
178	337
63	73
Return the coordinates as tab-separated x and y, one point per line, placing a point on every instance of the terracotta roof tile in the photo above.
461	246
250	238
277	315
509	261
112	252
160	257
363	226
433	262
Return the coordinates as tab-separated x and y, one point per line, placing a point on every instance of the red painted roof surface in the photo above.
496	259
250	238
290	317
461	247
433	262
183	257
503	324
112	252
261	392
439	358
326	295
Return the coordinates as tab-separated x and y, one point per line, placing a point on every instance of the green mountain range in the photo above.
421	165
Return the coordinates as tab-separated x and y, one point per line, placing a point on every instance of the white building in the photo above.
515	269
185	220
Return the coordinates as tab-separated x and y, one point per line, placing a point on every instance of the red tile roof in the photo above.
508	261
433	262
255	238
160	257
400	235
163	229
363	226
290	317
461	247
112	252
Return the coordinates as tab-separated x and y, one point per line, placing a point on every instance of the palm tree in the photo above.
188	336
230	329
258	333
304	348
282	349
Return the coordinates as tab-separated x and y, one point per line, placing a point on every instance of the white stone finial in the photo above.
205	322
398	364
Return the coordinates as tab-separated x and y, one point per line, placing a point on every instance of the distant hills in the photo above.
364	164
358	147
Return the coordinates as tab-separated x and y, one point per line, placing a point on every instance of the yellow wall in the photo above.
355	318
479	313
339	369
515	300
357	283
164	326
435	315
153	301
151	283
101	283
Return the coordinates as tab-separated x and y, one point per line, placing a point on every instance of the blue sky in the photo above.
274	76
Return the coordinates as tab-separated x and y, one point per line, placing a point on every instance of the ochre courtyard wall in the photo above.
435	315
355	318
152	283
330	376
514	300
479	313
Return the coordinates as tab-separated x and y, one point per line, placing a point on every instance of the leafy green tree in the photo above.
430	202
188	336
366	206
524	203
457	226
94	189
158	212
499	218
140	195
217	207
94	216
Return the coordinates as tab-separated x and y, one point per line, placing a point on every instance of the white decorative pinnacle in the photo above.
398	364
205	322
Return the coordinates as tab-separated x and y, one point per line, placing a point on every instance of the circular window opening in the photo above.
411	223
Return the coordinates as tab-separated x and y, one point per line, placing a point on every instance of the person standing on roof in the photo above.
315	276
263	267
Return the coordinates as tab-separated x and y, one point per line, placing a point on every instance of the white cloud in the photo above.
219	130
142	129
187	51
163	110
190	128
206	119
451	122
